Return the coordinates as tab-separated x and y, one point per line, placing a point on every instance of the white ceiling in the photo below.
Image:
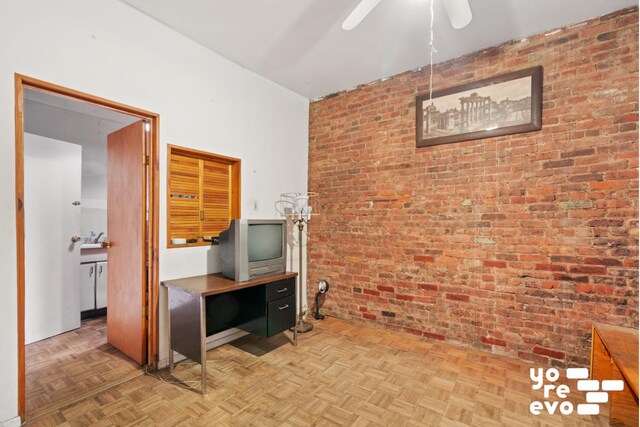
300	45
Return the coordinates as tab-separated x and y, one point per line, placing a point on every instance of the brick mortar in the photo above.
512	244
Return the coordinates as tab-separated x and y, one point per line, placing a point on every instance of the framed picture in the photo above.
501	105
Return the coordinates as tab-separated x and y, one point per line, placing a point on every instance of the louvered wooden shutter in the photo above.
203	194
216	195
184	197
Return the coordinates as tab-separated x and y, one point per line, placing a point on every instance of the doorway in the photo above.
135	294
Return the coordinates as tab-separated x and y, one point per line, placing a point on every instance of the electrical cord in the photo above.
307	336
183	384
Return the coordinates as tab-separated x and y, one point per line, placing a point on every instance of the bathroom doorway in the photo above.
70	149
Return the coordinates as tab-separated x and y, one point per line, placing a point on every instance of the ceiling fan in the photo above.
459	13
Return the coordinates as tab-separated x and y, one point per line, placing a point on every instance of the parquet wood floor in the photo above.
68	366
341	374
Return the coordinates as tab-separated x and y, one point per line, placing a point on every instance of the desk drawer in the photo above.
281	289
281	315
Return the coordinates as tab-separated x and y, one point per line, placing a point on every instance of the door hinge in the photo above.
145	311
145	160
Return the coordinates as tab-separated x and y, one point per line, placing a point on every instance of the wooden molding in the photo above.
22	81
20	268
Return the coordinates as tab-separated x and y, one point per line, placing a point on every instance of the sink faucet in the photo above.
99	235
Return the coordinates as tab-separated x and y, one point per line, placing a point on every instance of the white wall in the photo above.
83	129
90	132
205	102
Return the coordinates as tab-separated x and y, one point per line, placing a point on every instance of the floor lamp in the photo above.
298	207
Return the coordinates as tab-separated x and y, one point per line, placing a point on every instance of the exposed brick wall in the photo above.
512	244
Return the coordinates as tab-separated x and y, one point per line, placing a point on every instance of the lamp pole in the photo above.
302	325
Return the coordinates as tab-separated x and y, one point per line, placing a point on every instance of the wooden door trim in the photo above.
22	81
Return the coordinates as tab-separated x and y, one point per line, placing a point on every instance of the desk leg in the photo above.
203	344
170	346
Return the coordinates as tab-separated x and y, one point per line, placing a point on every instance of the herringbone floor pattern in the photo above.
65	367
341	374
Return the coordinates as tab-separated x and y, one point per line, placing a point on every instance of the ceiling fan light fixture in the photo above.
359	13
459	12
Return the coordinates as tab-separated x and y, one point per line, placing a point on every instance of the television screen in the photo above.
264	241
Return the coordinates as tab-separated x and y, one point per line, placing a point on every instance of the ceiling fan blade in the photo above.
459	12
359	13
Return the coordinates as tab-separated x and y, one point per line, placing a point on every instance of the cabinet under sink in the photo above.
93	289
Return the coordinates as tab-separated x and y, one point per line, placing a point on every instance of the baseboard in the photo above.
213	341
13	422
90	314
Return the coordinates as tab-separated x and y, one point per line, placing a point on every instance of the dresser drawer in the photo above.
281	315
281	289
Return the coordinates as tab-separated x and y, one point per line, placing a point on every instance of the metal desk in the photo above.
189	319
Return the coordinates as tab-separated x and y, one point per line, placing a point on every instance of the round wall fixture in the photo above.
323	288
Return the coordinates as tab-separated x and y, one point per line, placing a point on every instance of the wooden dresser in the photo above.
614	356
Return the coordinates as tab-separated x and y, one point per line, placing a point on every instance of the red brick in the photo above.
603	261
603	289
385	288
578	153
497	264
428	286
588	269
547	352
558	163
494	341
458	297
584	287
609	185
551	267
423	258
570	278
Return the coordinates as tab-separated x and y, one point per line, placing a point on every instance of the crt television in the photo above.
253	248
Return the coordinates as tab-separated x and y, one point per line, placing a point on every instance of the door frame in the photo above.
152	248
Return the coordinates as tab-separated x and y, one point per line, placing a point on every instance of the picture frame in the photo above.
501	105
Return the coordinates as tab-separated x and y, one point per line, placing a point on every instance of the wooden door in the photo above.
126	218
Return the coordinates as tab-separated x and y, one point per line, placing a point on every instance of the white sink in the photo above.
91	246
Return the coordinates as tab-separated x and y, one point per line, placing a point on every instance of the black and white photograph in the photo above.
501	105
